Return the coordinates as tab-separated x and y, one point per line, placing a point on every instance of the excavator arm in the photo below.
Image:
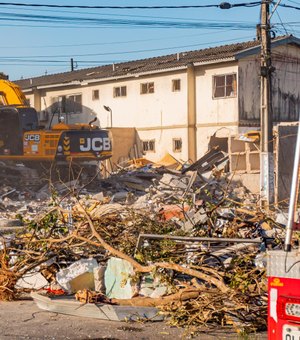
11	94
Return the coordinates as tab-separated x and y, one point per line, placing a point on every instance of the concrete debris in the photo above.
79	275
33	281
152	286
184	237
118	279
99	279
7	223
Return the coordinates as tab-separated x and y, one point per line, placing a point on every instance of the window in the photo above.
67	104
149	145
176	85
147	88
120	91
95	95
177	144
74	103
224	86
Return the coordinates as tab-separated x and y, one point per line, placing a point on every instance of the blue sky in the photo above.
41	40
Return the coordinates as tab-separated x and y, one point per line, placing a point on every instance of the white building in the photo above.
181	103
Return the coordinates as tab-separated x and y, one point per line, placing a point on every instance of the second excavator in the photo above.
23	141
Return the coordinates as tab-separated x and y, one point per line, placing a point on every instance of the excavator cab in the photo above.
14	122
62	147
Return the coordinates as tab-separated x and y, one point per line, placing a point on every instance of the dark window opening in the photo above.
147	88
95	95
149	145
177	144
176	85
67	104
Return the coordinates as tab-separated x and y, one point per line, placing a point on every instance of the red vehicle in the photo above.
283	272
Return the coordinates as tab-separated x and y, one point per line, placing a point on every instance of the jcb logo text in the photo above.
94	144
33	138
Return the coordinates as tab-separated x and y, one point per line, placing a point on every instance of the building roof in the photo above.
151	65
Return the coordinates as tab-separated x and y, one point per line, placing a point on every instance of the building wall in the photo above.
88	113
285	86
161	115
214	116
165	115
286	89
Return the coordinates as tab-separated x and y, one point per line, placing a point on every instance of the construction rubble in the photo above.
183	243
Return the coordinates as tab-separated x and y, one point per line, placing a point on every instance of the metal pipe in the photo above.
194	239
191	112
293	196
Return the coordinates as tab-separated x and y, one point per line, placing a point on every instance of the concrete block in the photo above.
32	281
79	275
118	282
99	279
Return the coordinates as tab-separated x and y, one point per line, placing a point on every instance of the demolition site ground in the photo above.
150	252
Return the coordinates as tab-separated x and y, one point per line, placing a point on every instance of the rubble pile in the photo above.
190	242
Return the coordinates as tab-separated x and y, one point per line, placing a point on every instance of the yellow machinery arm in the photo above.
11	94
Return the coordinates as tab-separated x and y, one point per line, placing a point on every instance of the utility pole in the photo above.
266	117
72	64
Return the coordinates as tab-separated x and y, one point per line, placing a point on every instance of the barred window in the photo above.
224	86
177	144
149	145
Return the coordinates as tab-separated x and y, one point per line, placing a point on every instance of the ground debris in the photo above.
200	262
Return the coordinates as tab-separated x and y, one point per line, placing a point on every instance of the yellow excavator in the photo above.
22	140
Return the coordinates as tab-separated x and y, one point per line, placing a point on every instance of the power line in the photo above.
123	22
290	6
109	14
277	13
244	4
117	42
294	2
122	52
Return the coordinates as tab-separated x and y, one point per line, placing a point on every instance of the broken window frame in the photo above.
177	144
176	85
227	88
148	145
74	103
70	104
119	91
147	88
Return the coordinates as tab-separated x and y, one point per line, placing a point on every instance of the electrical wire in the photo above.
290	6
121	22
121	52
118	42
294	2
244	4
277	13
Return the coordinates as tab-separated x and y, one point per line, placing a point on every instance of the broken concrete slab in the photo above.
68	305
33	281
118	279
99	279
78	275
193	218
6	223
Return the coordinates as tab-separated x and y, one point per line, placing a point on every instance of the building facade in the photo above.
182	103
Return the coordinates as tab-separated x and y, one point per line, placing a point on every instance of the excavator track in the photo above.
35	175
19	175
